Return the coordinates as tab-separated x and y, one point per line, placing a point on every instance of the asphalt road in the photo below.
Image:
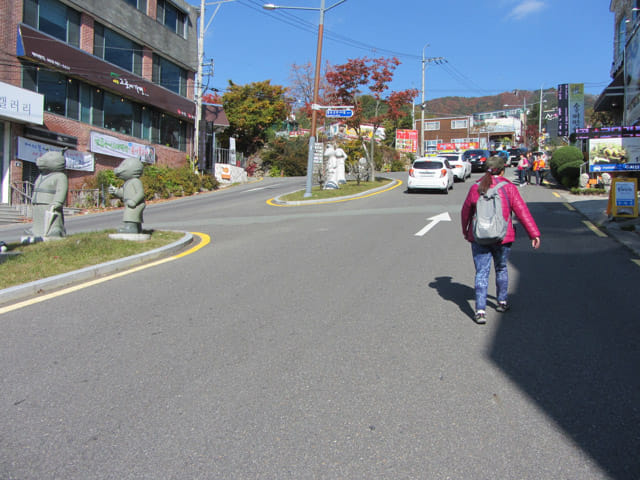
330	342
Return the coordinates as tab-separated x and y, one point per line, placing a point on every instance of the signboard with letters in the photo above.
20	104
407	141
612	149
29	150
115	147
624	193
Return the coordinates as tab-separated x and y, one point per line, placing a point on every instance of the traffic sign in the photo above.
339	113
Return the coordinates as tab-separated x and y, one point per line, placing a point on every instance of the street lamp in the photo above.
316	83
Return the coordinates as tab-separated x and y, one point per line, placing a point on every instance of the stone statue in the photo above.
131	193
341	156
331	168
49	194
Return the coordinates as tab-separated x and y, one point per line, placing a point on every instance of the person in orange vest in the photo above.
539	167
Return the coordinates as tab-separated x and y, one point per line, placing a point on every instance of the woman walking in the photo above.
499	251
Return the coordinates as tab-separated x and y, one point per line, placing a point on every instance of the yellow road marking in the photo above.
594	229
303	204
204	240
569	206
556	194
636	261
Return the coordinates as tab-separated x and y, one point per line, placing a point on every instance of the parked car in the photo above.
430	173
461	167
477	158
504	154
514	155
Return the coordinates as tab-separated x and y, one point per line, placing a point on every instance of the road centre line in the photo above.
204	240
636	261
570	207
595	229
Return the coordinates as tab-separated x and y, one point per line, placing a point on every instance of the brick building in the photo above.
487	131
115	78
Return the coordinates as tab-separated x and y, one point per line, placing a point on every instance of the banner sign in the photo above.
576	106
407	141
452	147
20	104
115	147
30	151
614	154
563	110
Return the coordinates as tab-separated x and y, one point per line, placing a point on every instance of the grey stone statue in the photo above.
49	194
131	193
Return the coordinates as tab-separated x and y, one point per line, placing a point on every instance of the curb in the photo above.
393	183
46	285
629	239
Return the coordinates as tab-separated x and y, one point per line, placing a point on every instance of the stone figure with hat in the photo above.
131	194
331	168
49	194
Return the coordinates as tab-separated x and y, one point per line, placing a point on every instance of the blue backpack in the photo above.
489	225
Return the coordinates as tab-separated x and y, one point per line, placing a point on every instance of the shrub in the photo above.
286	156
569	173
165	182
398	166
565	156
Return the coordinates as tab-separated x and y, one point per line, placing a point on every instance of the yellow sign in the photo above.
624	197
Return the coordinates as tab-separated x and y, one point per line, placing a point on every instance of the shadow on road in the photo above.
572	338
461	295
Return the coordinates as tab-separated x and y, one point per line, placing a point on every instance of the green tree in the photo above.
252	110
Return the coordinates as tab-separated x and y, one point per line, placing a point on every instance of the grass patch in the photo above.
350	188
46	259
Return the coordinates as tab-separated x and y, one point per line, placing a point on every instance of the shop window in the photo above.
172	132
53	18
118	114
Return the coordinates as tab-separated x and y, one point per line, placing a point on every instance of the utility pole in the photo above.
437	60
198	83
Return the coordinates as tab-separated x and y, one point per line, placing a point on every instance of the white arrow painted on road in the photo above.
442	217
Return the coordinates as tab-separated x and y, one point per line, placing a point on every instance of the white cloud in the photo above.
525	8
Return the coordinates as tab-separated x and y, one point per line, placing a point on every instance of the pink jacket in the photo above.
514	204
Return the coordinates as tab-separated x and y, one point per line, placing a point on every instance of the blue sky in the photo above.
491	46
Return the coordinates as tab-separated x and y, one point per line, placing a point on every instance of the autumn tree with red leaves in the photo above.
350	80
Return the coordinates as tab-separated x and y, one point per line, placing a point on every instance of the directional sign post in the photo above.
339	113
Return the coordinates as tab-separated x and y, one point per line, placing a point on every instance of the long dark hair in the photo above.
485	182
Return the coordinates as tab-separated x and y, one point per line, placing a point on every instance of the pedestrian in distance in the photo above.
539	167
529	168
483	254
523	165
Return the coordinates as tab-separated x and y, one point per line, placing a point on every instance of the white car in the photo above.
461	167
430	173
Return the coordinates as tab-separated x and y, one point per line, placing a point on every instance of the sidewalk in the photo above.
624	230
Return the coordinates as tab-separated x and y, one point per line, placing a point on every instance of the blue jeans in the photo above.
482	256
522	176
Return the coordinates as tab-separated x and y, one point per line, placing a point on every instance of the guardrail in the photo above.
21	195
